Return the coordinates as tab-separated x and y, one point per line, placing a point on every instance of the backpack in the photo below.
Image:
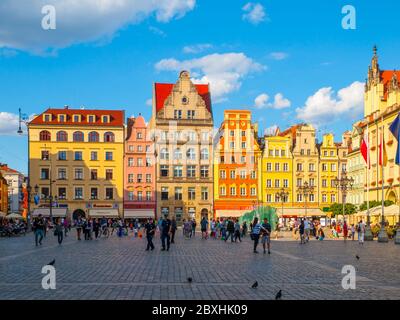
358	228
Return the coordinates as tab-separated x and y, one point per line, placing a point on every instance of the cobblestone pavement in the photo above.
120	268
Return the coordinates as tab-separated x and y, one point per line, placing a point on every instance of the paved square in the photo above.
120	268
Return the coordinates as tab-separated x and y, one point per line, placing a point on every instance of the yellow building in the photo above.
76	162
3	196
277	171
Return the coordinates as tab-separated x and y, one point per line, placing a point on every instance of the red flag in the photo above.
365	150
382	152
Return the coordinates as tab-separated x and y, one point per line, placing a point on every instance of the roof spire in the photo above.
375	50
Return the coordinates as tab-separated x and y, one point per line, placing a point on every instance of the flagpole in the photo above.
382	236
368	234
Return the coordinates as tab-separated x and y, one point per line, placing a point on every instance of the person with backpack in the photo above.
255	233
230	228
361	232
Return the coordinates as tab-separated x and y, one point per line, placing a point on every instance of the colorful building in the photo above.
76	162
139	175
15	180
182	128
3	196
237	166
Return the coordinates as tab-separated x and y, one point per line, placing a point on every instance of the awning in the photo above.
139	213
45	212
230	213
300	212
106	212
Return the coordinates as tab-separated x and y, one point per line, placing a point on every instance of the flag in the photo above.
365	149
395	130
382	152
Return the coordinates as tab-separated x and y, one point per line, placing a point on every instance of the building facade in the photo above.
237	166
3	196
139	175
76	162
15	180
182	128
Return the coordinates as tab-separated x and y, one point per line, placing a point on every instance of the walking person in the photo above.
88	229
361	232
301	232
58	231
212	229
266	235
79	225
237	230
353	231
96	228
173	229
306	230
165	232
345	231
255	233
204	225
38	227
244	229
231	230
193	228
66	226
150	228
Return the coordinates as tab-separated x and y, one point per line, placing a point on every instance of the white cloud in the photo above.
78	21
157	31
278	55
254	13
325	107
270	130
197	48
8	53
280	102
224	72
8	123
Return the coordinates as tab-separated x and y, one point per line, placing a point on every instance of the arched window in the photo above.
177	154
78	136
44	135
109	137
93	136
204	154
164	154
62	136
190	154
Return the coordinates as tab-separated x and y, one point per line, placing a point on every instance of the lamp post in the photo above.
282	195
305	190
343	184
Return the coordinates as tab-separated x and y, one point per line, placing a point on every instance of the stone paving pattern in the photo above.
120	268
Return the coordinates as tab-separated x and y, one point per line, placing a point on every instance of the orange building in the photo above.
237	165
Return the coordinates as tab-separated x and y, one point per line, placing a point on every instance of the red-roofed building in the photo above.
182	124
14	180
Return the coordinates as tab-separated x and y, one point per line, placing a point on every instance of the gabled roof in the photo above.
6	169
163	90
116	117
386	76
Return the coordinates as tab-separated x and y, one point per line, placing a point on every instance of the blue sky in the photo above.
248	51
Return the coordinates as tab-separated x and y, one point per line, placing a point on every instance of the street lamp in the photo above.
343	184
282	195
305	190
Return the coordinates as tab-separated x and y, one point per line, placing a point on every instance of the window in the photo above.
269	183
191	155
308	152
91	119
138	136
277	167
286	167
190	114
78	155
324	198
140	195
139	178
204	193
164	171
93	155
222	159
243	133
204	154
78	193
277	183
299	182
148	162
130	195
139	162
131	148
269	167
93	174
139	148
222	174
62	136
242	159
62	193
62	174
332	153
311	197
47	118
105	119
283	153
148	195
44	135
232	133
109	193
324	183
299	197
164	154
45	155
93	136
177	154
177	114
77	136
62	155
270	152
324	167
269	198
44	174
109	137
178	193
253	191
311	167
299	167
243	145
302	152
76	118
312	182
232	145
285	183
130	177
177	171
233	159
233	174
130	162
164	193
325	153
45	192
333	198
78	174
204	171
277	153
94	194
148	177
242	174
222	191
191	171
333	167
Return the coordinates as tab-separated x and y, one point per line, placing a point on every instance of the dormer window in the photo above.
91	119
61	118
77	118
47	117
105	119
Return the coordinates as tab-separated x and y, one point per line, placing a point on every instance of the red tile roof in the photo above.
116	117
386	76
163	90
5	168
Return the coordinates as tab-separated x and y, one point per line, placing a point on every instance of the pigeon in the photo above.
189	280
278	295
52	262
358	258
255	285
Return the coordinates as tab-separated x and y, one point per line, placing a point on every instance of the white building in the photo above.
14	180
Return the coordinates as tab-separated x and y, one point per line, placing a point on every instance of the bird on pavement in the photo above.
189	280
278	295
51	263
255	285
358	258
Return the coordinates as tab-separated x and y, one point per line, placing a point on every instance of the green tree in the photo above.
337	209
375	203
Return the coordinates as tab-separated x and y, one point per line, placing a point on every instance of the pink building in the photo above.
139	173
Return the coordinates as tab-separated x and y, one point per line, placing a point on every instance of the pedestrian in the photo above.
361	232
150	228
345	231
165	232
204	225
244	229
255	233
230	228
173	229
353	231
212	228
306	230
223	229
237	230
58	230
266	235
321	234
66	226
194	227
79	224
301	232
38	227
96	228
187	229
88	229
